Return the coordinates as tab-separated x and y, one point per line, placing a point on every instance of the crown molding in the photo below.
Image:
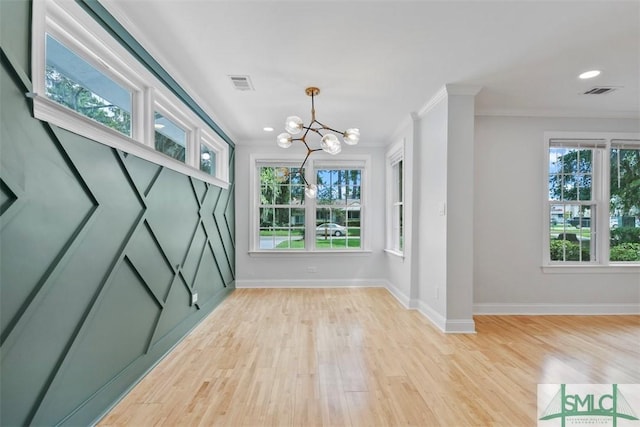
448	90
519	112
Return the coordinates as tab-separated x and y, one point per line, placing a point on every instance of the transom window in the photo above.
169	138
593	203
86	82
73	82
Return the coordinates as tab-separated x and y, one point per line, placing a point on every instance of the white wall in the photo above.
431	193
459	209
291	270
509	169
507	225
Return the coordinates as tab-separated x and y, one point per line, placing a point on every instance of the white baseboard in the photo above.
296	283
399	295
448	326
460	326
433	316
554	309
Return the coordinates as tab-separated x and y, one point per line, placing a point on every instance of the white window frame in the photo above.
68	23
395	155
220	148
317	161
258	205
175	115
600	198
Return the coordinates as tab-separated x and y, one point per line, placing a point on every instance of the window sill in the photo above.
48	111
295	253
395	253
591	269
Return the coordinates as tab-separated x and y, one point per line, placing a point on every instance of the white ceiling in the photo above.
377	61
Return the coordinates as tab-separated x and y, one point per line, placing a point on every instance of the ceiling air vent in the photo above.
241	82
600	90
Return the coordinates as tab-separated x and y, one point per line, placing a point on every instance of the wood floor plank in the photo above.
355	357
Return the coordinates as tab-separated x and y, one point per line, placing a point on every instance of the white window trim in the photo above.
170	111
394	155
601	200
219	147
317	161
71	25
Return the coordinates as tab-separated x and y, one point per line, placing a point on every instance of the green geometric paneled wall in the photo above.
100	253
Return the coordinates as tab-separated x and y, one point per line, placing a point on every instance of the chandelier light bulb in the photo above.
206	156
293	125
284	140
311	191
351	136
331	144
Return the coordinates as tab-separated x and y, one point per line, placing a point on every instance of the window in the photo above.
338	209
73	82
624	201
287	221
86	82
169	138
281	208
593	201
395	199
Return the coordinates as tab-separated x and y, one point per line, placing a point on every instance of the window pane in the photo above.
283	194
570	174
396	208
281	218
400	183
207	160
570	234
338	228
76	84
266	217
170	139
401	227
624	222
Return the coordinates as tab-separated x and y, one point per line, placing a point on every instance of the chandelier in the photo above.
329	142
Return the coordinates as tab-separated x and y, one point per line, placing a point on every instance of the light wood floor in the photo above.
342	357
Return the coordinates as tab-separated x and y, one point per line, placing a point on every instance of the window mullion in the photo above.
601	178
143	124
310	209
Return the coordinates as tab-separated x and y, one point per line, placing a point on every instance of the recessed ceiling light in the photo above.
267	129
589	74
